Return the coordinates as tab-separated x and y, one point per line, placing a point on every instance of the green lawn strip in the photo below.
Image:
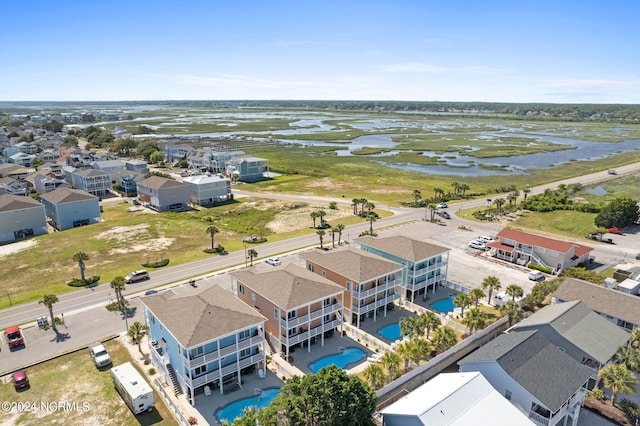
74	378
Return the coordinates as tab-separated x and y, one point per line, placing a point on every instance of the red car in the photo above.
615	231
20	380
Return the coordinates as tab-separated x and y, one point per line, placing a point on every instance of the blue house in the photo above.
206	339
426	264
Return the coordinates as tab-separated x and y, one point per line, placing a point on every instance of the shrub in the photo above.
156	264
152	371
631	409
192	420
77	282
540	268
597	393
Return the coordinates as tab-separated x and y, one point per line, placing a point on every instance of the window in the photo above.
291	314
324	273
327	318
327	301
292	331
310	267
196	352
348	285
253	296
276	313
245	353
507	394
244	334
199	371
241	289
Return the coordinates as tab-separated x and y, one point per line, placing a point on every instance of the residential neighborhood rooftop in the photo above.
581	326
288	287
201	317
9	202
540	241
404	247
535	363
158	182
355	264
66	195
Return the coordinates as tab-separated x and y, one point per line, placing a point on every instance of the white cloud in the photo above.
588	85
420	67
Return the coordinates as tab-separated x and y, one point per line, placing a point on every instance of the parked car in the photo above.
20	380
442	206
150	292
615	230
485	239
445	215
637	256
612	171
478	245
136	276
99	354
274	261
14	336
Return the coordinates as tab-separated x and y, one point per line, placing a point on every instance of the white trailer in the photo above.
132	387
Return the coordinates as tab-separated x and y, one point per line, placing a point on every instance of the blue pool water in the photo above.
444	305
236	409
390	332
341	360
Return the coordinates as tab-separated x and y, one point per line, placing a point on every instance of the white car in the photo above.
275	261
99	355
442	206
478	245
484	239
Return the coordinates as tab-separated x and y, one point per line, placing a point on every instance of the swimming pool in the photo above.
390	332
341	360
236	409
444	305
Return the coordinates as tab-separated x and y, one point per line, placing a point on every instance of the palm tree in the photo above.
456	187
526	191
80	257
334	231
463	188
321	215
374	375
369	205
421	350
417	196
512	310
363	201
391	361
475	320
514	291
410	326
444	339
429	322
432	211
321	234
354	203
212	230
499	202
462	301
476	294
118	284
137	331
371	217
491	284
314	216
405	352
617	378
629	356
252	253
340	228
635	337
437	192
49	300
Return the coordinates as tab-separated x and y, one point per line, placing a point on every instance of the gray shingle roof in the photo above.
90	172
404	247
158	182
587	330
67	195
9	202
288	287
601	299
202	317
536	364
354	264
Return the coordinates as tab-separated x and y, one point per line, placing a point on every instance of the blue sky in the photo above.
495	51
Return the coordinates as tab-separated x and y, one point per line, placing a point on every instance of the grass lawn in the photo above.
74	378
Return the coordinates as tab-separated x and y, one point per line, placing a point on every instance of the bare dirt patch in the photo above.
298	216
16	247
129	239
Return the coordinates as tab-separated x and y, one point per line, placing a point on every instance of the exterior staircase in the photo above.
177	390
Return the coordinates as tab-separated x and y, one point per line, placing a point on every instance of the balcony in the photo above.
233	348
427	282
374	305
214	376
426	269
377	289
306	335
293	322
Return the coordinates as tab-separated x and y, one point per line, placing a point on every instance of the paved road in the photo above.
91	321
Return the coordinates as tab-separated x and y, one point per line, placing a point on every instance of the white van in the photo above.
136	276
536	276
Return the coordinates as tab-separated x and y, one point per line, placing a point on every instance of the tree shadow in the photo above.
60	337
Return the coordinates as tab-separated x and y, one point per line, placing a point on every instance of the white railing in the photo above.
375	305
377	289
426	269
232	348
316	331
293	322
215	376
538	419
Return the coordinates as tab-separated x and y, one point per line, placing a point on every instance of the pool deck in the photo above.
209	405
302	358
